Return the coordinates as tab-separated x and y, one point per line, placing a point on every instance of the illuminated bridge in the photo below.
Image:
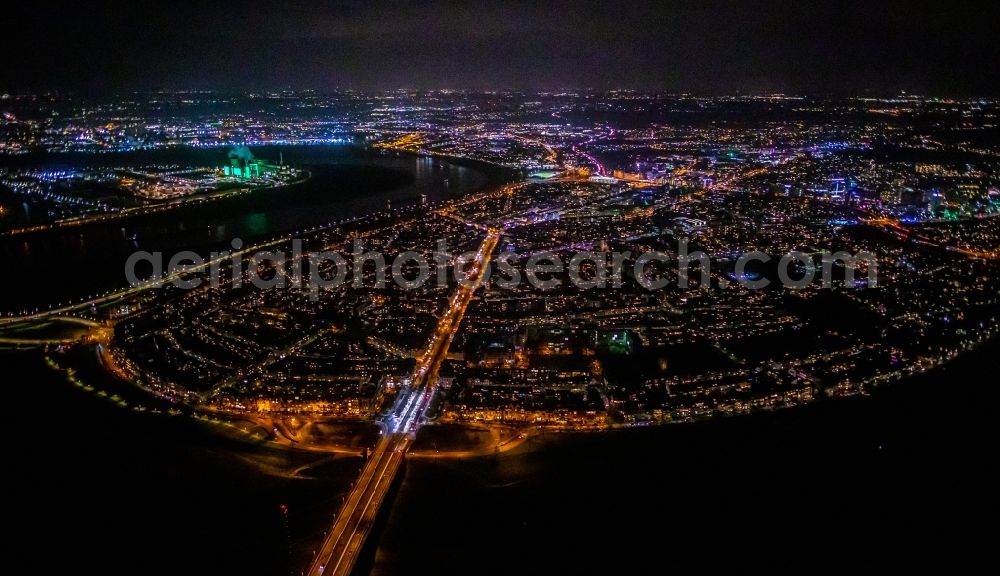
343	543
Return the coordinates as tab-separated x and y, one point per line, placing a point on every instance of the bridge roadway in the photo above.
344	541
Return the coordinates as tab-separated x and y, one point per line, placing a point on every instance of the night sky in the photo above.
705	47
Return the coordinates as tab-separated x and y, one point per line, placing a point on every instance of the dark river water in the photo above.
906	475
903	477
102	489
70	263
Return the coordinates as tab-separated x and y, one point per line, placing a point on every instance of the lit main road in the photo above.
437	348
343	543
340	549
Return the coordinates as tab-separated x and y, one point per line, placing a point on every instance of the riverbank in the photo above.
98	486
77	263
152	208
907	468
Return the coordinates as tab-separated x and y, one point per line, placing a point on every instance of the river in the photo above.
906	475
100	488
50	267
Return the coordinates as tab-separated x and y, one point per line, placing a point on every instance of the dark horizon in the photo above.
854	48
93	95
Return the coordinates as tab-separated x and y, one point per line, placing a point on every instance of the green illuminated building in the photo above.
242	164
